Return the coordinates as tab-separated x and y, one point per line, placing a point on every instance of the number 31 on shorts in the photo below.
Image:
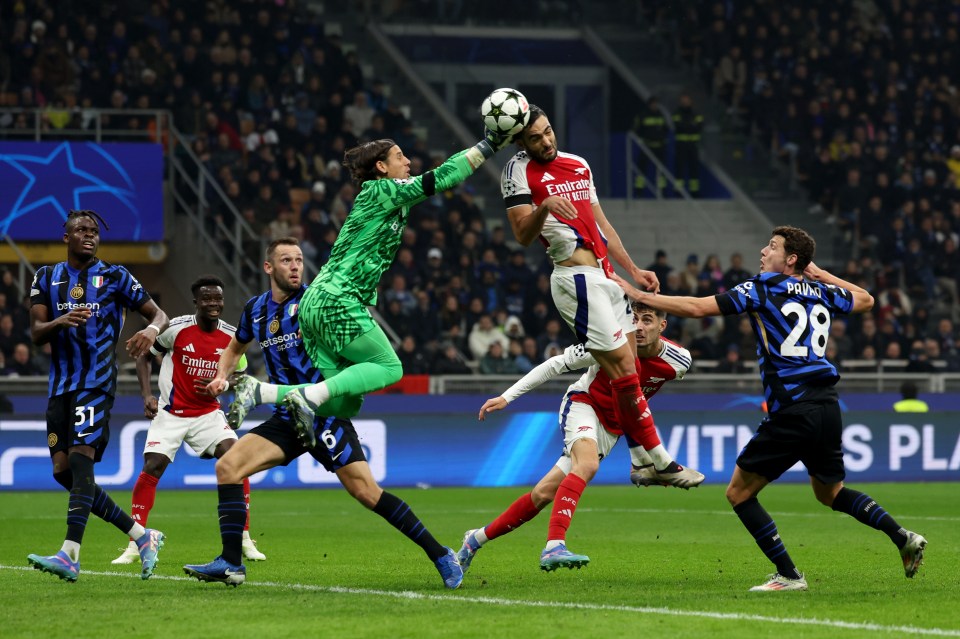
84	415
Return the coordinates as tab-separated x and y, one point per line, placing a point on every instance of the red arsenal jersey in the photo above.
189	353
525	181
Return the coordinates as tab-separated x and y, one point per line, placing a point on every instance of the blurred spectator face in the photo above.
408	344
476	305
893	351
931	348
21	353
495	350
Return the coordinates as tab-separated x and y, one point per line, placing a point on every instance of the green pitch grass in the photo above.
664	563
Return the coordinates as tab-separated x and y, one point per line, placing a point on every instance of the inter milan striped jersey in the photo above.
525	181
791	319
189	354
85	356
276	327
369	239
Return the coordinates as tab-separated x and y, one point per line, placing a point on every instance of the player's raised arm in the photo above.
647	279
679	305
572	358
862	299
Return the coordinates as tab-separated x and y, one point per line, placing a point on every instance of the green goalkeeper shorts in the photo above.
328	323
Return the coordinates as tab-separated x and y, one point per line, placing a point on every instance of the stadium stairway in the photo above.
652	59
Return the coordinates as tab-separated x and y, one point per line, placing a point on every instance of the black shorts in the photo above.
808	432
337	441
79	418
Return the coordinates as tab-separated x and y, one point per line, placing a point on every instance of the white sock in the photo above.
639	457
246	535
268	393
661	458
481	536
553	543
136	532
317	394
72	549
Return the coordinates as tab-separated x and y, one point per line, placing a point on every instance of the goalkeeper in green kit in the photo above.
341	338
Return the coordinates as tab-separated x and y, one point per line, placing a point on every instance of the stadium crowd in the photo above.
863	98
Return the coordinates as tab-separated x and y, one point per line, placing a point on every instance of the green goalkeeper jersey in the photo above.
368	241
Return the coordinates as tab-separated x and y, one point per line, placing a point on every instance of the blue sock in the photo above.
401	516
867	511
103	506
764	530
233	515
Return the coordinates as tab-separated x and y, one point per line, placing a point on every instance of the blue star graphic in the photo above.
57	181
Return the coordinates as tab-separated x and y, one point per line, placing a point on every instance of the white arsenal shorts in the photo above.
167	432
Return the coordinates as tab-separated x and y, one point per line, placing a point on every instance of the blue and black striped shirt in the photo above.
276	327
791	319
86	356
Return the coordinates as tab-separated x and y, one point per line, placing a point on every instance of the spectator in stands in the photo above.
497	362
9	338
552	334
736	273
483	334
731	363
529	356
22	364
660	267
842	342
691	273
412	357
918	360
449	362
425	321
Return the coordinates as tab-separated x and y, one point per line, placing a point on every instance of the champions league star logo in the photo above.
41	182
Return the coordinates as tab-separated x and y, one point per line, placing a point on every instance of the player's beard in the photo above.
285	286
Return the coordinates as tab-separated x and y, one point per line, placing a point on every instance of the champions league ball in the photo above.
505	111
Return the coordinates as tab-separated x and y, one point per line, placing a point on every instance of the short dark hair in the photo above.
283	241
205	280
362	160
535	114
639	307
909	390
797	242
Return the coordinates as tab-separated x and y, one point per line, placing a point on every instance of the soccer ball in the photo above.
505	111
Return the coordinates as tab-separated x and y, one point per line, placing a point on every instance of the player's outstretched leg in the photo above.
469	549
303	416
219	570
912	553
149	545
129	555
58	564
245	399
679	476
449	569
560	557
777	582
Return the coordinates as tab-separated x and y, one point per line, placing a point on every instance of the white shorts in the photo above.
580	421
595	307
167	432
